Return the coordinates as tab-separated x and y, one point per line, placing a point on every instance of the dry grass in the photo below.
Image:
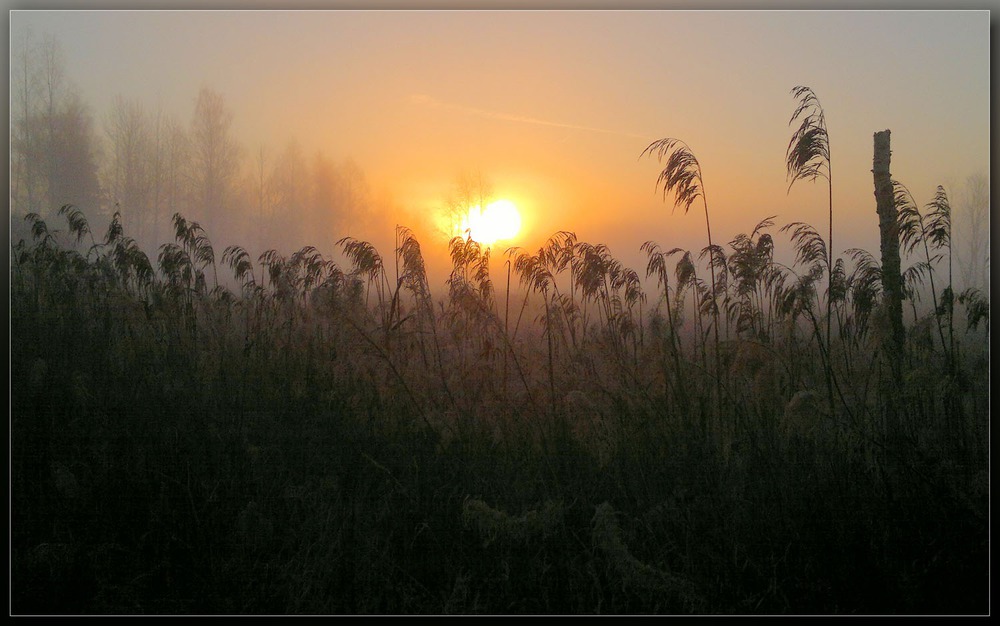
293	449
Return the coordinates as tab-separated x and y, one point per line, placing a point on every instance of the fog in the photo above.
282	129
499	312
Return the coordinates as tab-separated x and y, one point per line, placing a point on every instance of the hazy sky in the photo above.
555	107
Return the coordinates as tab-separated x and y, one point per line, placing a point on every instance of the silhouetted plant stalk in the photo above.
915	231
808	158
414	279
594	269
506	301
196	243
718	261
939	233
470	276
628	281
367	262
471	299
688	281
838	296
682	176
657	264
78	225
120	253
940	236
811	251
510	253
757	282
561	254
536	275
977	307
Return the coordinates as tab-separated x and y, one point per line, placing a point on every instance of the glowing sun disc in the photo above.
500	220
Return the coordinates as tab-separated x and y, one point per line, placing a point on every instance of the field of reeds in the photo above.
325	439
715	433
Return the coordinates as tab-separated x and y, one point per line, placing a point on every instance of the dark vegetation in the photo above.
327	439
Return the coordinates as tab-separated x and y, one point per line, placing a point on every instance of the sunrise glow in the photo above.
499	310
499	221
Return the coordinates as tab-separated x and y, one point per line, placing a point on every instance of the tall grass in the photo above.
681	176
330	439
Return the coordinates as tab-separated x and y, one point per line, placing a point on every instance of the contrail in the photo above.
425	100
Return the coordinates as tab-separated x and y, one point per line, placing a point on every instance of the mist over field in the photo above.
499	312
347	123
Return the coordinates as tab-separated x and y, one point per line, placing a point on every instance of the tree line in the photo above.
146	165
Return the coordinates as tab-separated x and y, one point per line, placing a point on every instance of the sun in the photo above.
501	220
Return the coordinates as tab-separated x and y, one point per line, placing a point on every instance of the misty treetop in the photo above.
144	165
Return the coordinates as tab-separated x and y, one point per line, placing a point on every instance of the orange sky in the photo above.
553	108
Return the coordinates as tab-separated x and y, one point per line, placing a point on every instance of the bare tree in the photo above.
128	178
52	77
157	165
25	96
176	150
259	182
468	191
288	184
323	214
215	159
353	202
53	148
74	155
974	215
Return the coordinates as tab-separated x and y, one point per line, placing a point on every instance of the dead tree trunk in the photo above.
892	281
888	226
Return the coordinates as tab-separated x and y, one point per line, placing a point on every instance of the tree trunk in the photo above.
892	281
888	225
